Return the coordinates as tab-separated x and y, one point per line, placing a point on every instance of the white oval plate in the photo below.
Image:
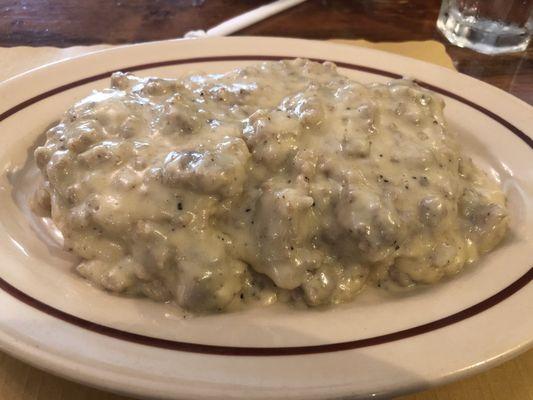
379	345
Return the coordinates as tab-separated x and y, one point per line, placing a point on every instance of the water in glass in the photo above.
487	26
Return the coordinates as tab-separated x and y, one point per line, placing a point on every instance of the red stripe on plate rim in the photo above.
267	351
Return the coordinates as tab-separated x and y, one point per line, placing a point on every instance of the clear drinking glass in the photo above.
487	26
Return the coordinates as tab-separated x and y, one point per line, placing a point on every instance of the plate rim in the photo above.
526	137
265	351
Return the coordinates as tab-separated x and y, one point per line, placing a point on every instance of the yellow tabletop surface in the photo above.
512	380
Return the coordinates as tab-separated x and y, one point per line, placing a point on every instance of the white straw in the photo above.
249	18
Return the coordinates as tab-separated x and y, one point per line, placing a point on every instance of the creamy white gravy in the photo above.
283	181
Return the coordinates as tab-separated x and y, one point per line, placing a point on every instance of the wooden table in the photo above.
65	23
68	22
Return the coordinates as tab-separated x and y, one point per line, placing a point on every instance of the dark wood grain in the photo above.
69	22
